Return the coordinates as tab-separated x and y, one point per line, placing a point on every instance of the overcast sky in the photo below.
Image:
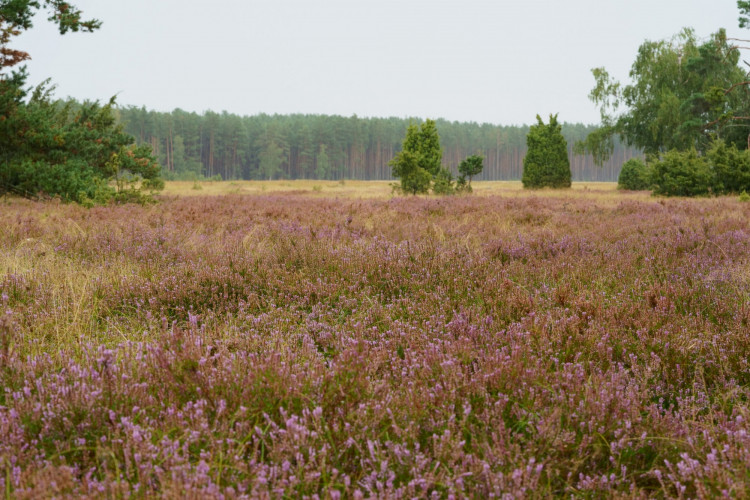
497	61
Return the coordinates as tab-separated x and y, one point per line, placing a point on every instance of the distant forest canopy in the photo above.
191	145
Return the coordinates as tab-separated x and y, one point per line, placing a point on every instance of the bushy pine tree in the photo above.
419	161
431	154
77	152
407	168
470	166
546	163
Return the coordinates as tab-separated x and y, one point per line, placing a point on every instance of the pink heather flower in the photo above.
193	319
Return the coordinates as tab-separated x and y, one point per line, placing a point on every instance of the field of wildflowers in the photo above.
295	345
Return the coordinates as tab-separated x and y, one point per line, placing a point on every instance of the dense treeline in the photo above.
332	147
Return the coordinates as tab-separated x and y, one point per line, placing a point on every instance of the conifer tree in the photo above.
419	161
469	167
72	151
546	163
16	16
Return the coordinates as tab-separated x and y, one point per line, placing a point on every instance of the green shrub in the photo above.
723	169
443	182
682	173
68	150
462	186
731	168
634	175
546	163
414	179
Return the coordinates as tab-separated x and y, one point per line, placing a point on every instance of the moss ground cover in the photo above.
294	342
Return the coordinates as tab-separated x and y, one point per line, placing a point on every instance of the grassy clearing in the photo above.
363	189
299	342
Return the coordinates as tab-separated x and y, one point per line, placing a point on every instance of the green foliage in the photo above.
682	93
271	159
414	179
723	169
322	163
428	146
469	167
744	197
546	163
66	16
16	16
731	167
744	6
443	182
356	147
420	159
600	144
67	150
462	186
682	173
272	154
634	175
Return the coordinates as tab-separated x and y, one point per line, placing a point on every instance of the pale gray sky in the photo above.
469	60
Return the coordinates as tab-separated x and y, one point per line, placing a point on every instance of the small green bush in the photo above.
682	173
731	168
462	186
443	184
723	169
634	175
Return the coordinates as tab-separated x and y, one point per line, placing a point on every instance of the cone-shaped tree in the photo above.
546	163
429	148
419	161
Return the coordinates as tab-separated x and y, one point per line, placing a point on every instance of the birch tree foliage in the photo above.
682	94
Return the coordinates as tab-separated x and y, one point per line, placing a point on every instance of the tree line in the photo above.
191	145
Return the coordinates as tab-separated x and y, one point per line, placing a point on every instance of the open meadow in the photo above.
329	340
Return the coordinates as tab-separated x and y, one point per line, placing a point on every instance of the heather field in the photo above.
285	341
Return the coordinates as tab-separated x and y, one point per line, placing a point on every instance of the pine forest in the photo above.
191	145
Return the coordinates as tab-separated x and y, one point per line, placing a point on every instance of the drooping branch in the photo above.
17	16
68	18
10	57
